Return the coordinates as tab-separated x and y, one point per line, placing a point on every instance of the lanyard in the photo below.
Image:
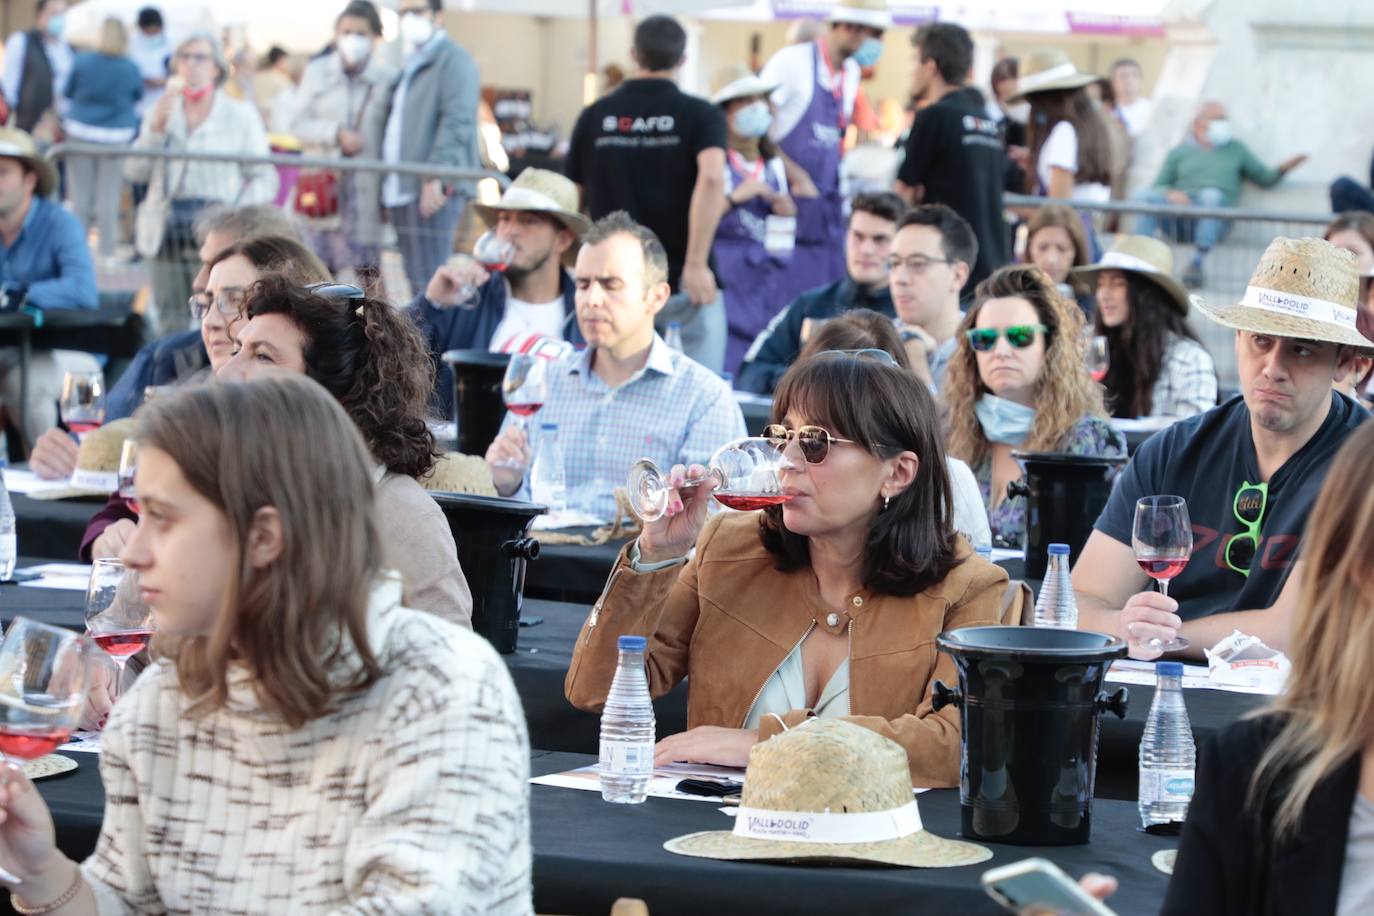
737	161
836	86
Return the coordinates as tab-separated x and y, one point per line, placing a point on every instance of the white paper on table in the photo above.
18	480
71	576
1007	553
568	518
84	742
1131	671
588	778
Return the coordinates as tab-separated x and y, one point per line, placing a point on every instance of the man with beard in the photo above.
466	308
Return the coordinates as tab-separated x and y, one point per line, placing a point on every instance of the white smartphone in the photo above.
1038	885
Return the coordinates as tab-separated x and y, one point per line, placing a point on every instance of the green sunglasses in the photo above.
1019	336
1249	505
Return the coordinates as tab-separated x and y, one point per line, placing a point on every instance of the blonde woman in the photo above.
304	743
1282	818
1017	382
103	93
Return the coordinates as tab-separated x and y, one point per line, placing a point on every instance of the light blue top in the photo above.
786	691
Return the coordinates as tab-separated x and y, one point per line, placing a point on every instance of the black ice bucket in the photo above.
477	403
1064	495
1029	699
493	544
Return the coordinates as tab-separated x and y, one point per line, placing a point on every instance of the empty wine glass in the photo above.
746	472
1096	357
493	252
117	617
524	389
83	401
1163	542
128	468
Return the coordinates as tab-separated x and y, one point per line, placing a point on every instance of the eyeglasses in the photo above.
916	263
337	290
1019	336
871	354
814	441
195	57
1249	505
228	303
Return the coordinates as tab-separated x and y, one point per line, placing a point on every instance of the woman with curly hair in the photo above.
1017	382
374	362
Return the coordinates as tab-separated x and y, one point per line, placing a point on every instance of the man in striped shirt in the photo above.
628	395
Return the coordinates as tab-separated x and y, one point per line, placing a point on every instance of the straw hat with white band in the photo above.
739	82
829	790
1302	288
541	191
1047	70
97	463
17	144
875	14
1145	257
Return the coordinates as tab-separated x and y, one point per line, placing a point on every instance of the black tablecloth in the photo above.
587	853
52	527
570	572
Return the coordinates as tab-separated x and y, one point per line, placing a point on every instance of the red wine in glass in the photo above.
81	427
1162	538
493	252
748	502
496	267
28	742
1099	374
524	410
1162	569
123	643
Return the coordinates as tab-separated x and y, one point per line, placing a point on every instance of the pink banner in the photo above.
1106	24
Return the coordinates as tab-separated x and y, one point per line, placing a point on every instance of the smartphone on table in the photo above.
1038	885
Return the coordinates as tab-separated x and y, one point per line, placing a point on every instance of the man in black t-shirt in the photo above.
954	153
657	153
1250	469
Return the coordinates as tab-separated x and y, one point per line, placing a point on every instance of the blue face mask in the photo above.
869	52
57	25
752	120
1004	421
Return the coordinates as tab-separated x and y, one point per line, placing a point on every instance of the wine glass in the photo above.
128	468
83	401
117	617
746	472
493	252
1163	542
524	390
1097	358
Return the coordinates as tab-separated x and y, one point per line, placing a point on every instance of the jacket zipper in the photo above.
596	608
849	657
750	707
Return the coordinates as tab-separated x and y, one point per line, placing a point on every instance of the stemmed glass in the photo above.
1096	357
1163	542
83	401
493	252
524	390
128	469
117	617
746	472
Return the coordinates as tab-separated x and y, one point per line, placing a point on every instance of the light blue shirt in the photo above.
674	411
50	259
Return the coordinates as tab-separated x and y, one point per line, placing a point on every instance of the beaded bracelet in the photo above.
51	907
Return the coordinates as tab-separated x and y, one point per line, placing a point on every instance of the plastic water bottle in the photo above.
547	482
1055	606
1167	752
674	336
627	729
9	542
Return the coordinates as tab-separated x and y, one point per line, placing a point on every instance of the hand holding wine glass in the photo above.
1163	541
674	533
83	401
524	389
493	252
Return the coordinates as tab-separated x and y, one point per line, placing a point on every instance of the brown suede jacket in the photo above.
729	618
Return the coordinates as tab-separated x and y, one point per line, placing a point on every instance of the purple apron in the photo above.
815	145
749	274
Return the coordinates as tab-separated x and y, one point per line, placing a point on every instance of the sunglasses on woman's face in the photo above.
1019	336
814	441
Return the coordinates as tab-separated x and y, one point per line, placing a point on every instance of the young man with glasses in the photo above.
932	253
1250	469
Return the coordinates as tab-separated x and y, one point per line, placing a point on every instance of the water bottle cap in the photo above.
675	325
549	427
1059	550
632	643
1162	669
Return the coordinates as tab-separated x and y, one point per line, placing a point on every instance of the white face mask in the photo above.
1219	132
415	29
1020	112
354	49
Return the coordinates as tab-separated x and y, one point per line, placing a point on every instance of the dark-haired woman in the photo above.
1069	147
828	605
1158	367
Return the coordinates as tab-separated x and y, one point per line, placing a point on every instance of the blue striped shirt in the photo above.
673	410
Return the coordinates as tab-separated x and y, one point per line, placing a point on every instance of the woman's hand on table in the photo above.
727	747
675	534
54	455
1147	616
112	540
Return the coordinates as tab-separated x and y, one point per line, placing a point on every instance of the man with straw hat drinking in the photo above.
1249	469
817	85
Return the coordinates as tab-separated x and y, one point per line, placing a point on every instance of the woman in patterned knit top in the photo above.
302	743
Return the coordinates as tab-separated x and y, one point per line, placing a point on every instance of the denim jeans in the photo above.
1348	194
703	328
1206	234
426	242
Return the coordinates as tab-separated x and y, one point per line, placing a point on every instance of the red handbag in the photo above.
317	192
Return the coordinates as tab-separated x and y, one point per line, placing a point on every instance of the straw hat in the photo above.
97	462
17	144
833	791
1145	257
455	472
872	13
1048	69
541	191
1303	288
739	82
